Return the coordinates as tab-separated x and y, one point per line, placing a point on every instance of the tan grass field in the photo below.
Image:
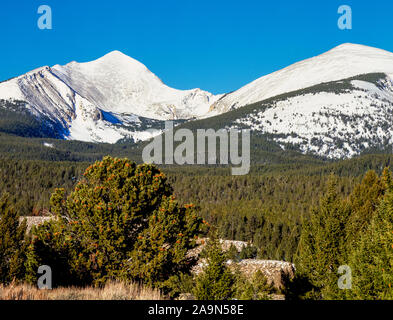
112	291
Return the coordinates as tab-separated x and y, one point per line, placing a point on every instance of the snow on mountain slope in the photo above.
321	105
44	93
118	83
344	61
335	120
49	98
104	100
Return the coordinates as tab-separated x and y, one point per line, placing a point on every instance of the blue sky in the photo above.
215	45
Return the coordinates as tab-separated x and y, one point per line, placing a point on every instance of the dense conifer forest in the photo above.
266	207
288	208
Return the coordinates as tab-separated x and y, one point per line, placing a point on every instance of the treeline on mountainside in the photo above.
266	155
47	149
17	120
263	150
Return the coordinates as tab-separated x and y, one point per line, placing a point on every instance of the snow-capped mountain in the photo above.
335	105
104	100
344	61
120	84
338	119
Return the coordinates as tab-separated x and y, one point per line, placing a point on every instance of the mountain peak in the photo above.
117	55
116	52
353	48
344	61
349	45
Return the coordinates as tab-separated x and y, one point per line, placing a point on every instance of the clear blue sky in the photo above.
215	45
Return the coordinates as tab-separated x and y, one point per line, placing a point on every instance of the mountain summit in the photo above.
118	83
346	60
89	99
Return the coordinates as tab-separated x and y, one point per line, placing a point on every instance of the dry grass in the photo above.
112	291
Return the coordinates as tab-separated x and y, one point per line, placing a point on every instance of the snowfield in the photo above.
329	124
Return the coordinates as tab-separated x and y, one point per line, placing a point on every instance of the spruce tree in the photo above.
372	261
12	243
248	252
363	202
216	281
322	245
233	254
253	287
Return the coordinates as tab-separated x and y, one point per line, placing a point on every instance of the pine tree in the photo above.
216	281
12	243
233	253
372	261
120	222
322	245
253	287
363	202
387	179
248	252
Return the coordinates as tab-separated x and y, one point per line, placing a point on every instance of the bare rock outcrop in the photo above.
275	271
34	221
